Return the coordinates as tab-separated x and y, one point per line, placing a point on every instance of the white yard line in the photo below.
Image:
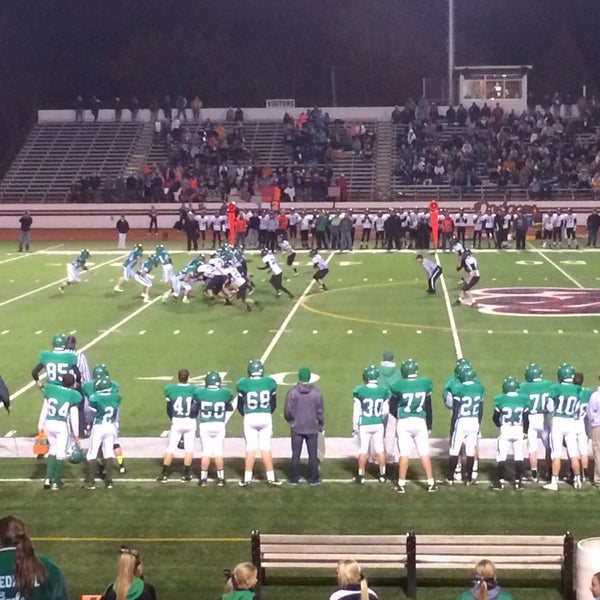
54	283
21	255
289	317
558	268
453	328
94	341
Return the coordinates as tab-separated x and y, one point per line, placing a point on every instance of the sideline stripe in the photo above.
26	254
150	540
292	312
94	341
54	283
558	268
453	329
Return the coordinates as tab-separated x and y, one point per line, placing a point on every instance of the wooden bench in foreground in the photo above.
411	551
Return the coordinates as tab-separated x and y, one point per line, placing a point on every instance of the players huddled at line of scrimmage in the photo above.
391	404
223	276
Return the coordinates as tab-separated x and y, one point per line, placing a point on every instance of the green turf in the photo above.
376	303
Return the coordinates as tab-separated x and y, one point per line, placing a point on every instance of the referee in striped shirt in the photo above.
433	271
85	375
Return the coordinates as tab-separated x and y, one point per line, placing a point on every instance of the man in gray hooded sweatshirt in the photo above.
303	410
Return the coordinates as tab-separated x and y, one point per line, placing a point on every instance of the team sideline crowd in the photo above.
392	413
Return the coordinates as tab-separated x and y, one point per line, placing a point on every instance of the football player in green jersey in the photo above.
73	269
164	260
582	427
129	266
388	373
563	405
256	402
214	403
57	362
511	412
454	380
465	399
537	390
105	402
411	405
370	408
59	419
182	409
144	277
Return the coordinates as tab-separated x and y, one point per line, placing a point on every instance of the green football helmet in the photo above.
59	341
75	454
138	248
533	372
460	363
565	372
85	253
153	259
371	374
409	368
212	379
466	373
510	384
255	367
100	371
160	248
103	384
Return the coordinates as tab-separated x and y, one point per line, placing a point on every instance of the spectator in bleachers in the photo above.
167	108
95	107
134	107
196	105
79	110
118	109
181	105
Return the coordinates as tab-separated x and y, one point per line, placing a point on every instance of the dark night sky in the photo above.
242	51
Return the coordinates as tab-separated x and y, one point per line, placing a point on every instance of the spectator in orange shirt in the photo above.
282	225
447	229
241	226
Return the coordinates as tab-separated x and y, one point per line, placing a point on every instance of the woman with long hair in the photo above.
485	584
240	582
25	574
353	584
129	584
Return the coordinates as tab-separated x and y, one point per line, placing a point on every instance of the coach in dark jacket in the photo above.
304	412
192	231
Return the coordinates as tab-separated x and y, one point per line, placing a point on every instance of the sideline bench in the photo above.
508	552
306	551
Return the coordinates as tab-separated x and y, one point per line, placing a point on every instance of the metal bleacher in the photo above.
55	155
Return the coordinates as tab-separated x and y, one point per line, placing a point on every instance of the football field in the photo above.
537	306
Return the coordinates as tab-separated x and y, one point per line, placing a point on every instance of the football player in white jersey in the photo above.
469	263
270	263
570	221
286	247
321	268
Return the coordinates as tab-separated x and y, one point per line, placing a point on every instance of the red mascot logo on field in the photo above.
539	302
